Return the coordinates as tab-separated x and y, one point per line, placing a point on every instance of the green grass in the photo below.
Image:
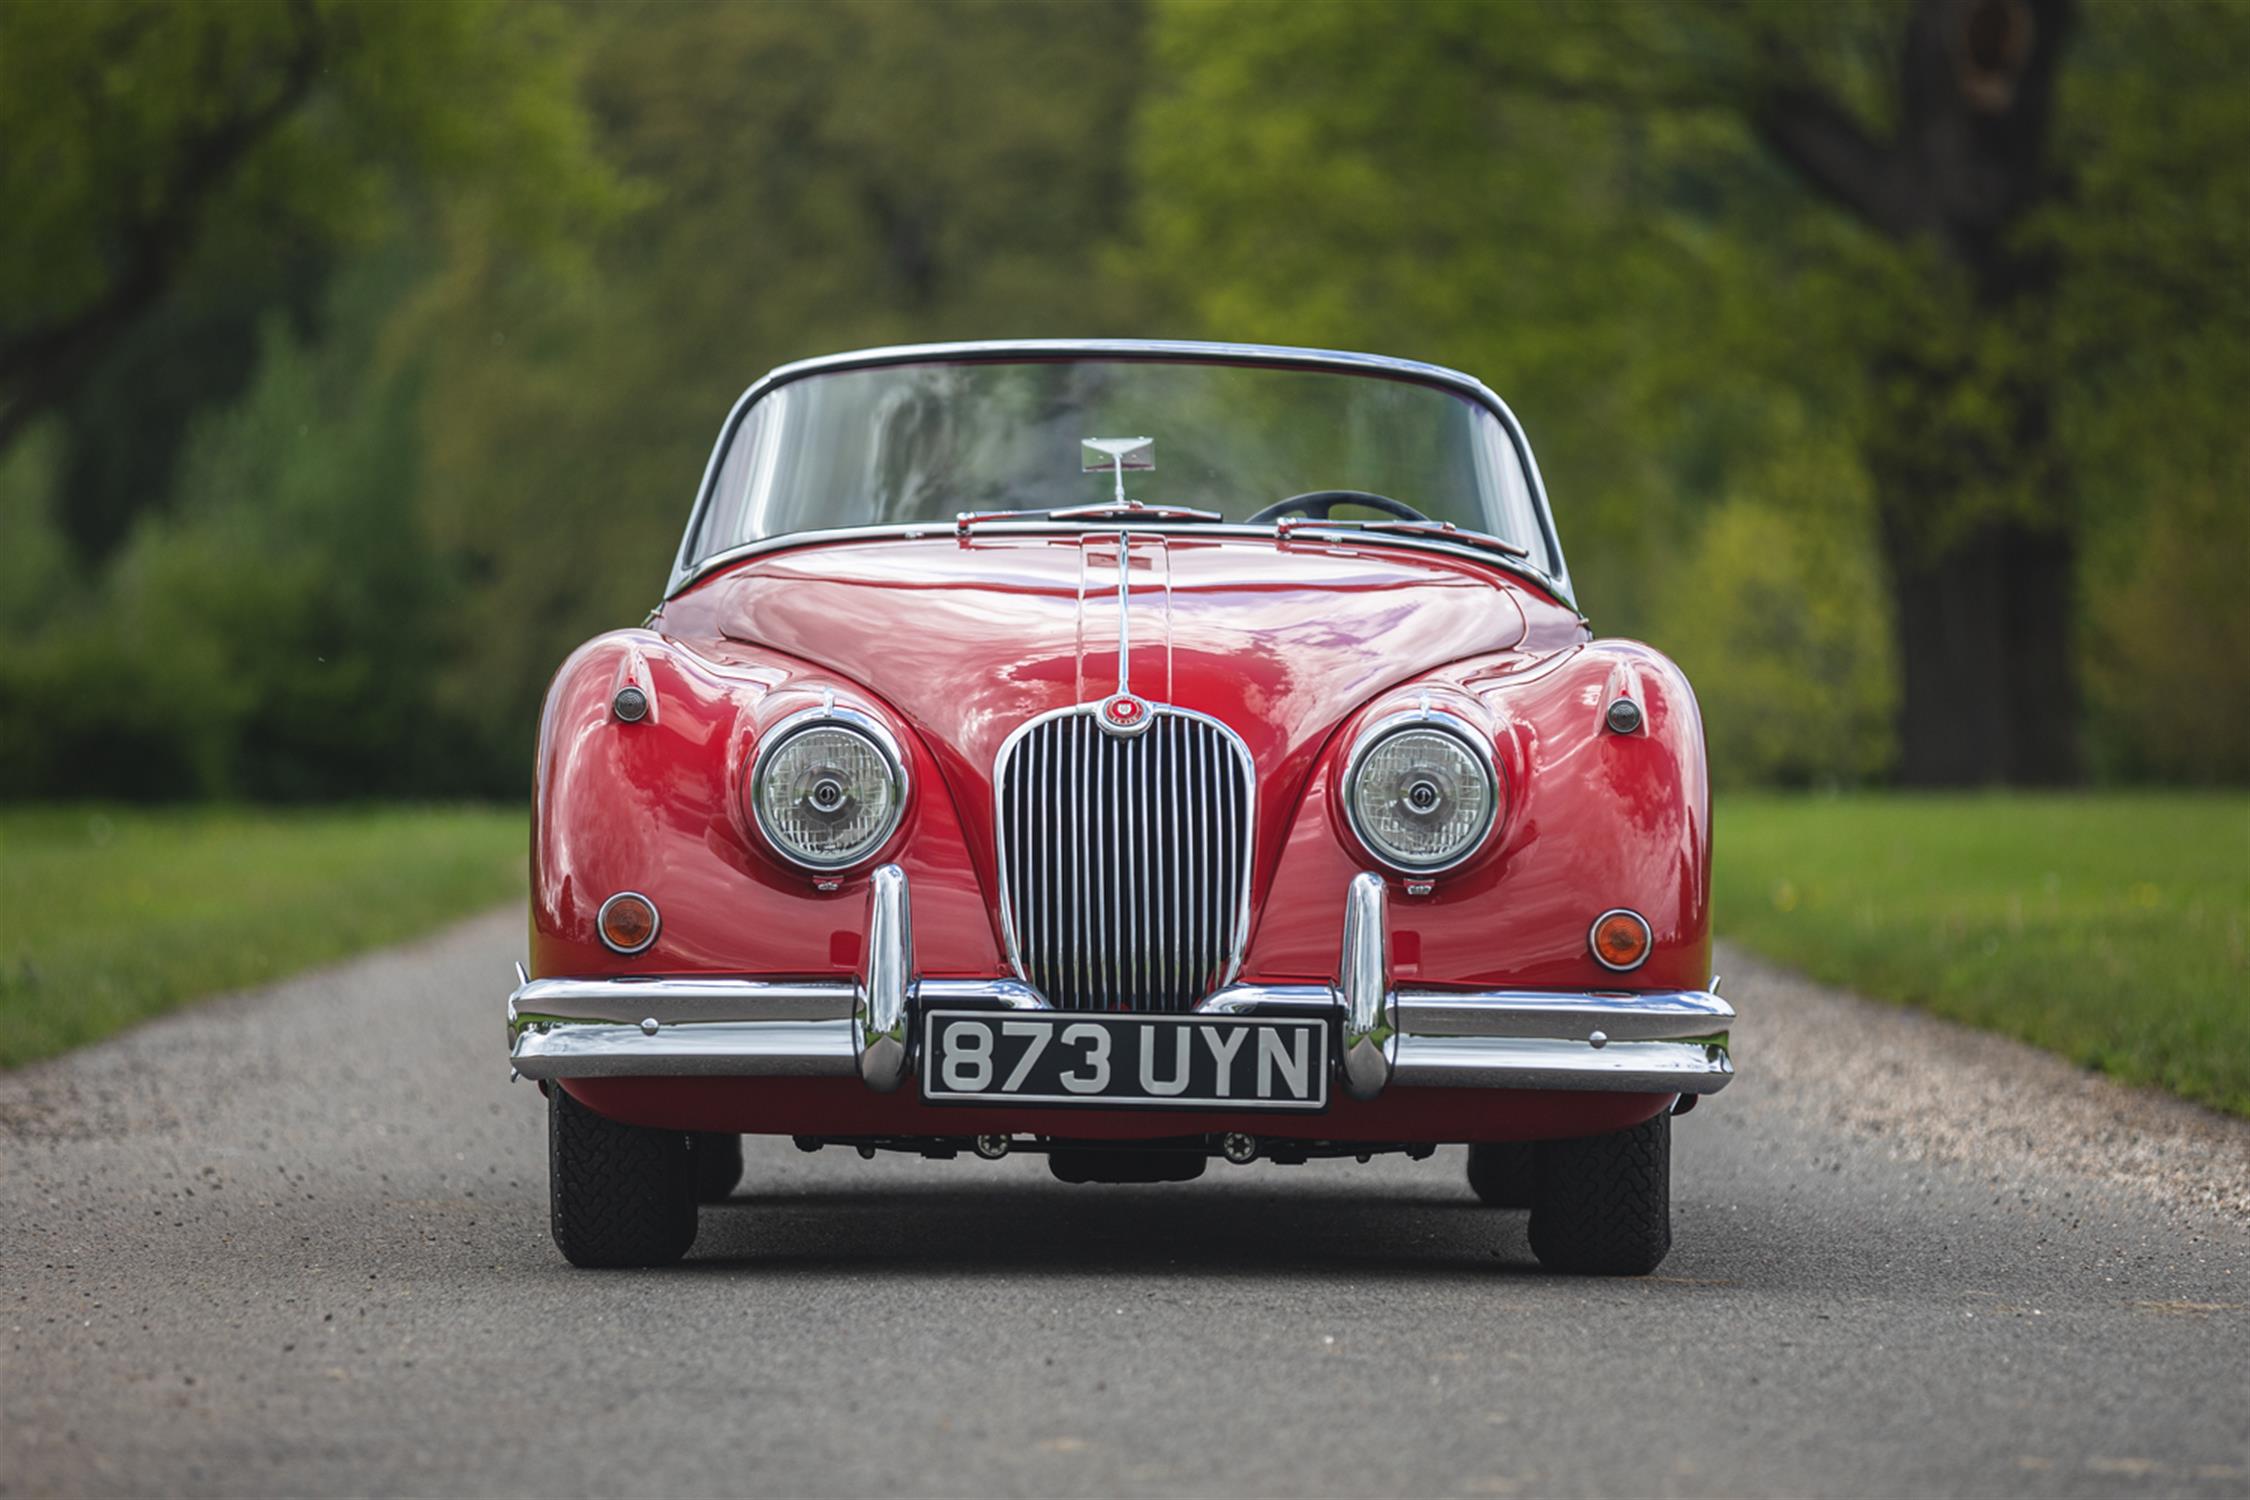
2111	928
109	915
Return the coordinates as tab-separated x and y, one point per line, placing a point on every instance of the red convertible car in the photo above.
1138	753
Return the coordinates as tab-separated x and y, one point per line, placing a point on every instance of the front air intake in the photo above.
1125	858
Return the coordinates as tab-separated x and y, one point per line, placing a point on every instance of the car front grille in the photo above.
1125	859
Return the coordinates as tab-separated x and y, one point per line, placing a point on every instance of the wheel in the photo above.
1501	1172
1602	1206
718	1165
619	1195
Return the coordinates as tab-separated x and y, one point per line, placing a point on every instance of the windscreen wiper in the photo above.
1107	510
1445	531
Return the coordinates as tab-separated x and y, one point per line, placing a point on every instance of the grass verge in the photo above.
109	915
2112	928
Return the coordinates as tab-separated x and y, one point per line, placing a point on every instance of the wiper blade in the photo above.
1289	526
1107	510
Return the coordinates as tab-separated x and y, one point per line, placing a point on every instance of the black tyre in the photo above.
1602	1206
619	1195
718	1165
1501	1173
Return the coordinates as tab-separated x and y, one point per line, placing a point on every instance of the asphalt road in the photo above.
296	1242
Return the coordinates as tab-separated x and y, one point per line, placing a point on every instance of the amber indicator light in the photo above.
628	922
1621	939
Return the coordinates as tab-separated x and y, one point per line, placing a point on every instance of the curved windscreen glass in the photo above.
905	443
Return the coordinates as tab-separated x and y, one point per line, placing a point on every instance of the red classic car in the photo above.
1139	753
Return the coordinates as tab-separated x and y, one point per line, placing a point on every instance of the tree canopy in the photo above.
357	360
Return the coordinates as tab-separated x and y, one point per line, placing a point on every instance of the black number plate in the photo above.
1166	1062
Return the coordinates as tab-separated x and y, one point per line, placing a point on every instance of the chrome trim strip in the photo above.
1363	987
879	1008
1243	999
628	999
1005	994
1444	721
1657	1043
765	1049
1684	1015
1124	617
684	572
1555	1063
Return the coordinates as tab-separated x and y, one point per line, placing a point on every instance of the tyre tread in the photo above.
1602	1205
619	1195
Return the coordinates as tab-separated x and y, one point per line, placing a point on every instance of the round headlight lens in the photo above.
827	795
1420	798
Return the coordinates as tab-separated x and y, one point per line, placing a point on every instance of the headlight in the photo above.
827	788
1419	794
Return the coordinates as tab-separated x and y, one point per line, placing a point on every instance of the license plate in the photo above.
1164	1062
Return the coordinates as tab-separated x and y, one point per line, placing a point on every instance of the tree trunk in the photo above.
1975	509
1985	655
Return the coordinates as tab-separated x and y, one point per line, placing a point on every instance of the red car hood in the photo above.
968	640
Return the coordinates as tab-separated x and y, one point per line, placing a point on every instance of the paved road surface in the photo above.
295	1242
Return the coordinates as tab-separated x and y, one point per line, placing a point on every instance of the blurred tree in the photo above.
172	172
813	179
1607	207
319	516
272	633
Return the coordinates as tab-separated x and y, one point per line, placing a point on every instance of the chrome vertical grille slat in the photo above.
1125	858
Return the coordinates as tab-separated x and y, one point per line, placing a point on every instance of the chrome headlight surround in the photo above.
1478	757
827	717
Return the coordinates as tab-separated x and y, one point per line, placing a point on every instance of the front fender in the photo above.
1594	820
653	806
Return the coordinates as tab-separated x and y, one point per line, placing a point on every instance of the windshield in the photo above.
899	444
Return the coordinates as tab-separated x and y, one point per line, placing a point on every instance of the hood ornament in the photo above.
1122	712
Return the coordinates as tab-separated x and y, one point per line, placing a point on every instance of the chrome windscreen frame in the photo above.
1238	940
686	570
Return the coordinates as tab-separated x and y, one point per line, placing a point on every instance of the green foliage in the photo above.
321	515
2169	629
1453	181
2159	330
116	914
1778	621
811	179
175	172
1575	201
278	635
2112	929
309	112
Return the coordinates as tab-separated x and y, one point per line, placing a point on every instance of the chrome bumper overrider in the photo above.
1672	1042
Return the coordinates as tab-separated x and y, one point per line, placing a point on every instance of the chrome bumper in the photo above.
1672	1042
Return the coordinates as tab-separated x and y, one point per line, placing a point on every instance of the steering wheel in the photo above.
1320	504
